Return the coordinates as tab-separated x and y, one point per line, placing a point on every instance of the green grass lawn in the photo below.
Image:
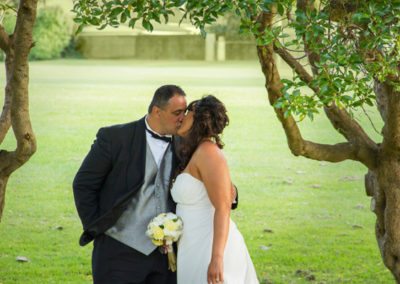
301	219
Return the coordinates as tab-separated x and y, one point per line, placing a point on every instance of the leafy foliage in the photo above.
116	12
352	43
352	51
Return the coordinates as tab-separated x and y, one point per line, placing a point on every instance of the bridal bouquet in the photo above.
163	230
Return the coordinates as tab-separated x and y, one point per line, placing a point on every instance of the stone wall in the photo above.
175	47
163	47
241	50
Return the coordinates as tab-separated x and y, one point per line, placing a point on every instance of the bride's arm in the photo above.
214	172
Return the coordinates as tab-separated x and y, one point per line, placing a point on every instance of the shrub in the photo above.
51	33
8	24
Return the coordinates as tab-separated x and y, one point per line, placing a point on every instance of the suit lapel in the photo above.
137	156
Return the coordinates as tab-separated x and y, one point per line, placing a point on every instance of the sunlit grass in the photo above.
300	218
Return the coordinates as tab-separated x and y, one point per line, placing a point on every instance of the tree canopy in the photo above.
356	41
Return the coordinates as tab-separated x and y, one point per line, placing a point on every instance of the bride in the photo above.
211	249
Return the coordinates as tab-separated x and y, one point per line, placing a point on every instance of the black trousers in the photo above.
115	263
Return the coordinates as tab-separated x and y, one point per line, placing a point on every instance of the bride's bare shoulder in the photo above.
210	151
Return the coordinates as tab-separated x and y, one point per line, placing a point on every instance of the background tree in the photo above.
51	33
15	113
351	50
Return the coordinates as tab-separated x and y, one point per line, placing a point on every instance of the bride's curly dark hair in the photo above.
209	120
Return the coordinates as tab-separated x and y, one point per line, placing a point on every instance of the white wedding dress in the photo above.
195	244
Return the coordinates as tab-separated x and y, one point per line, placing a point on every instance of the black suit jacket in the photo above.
110	175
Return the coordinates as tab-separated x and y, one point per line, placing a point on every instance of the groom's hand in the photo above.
234	194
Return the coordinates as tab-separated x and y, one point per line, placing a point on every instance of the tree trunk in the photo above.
383	185
16	103
382	182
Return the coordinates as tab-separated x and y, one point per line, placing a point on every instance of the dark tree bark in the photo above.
15	112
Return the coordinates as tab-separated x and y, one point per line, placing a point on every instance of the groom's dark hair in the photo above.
163	94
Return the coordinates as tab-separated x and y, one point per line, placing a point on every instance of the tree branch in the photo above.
331	153
382	92
296	66
23	41
367	149
4	40
5	118
391	131
339	118
298	146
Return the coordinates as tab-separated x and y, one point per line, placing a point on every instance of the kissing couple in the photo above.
170	160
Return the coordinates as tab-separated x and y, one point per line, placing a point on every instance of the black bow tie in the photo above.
156	136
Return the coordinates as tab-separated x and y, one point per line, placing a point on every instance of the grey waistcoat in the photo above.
151	200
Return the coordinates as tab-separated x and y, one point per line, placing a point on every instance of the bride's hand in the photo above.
215	273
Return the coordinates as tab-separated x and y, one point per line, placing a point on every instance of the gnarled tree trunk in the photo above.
16	103
383	183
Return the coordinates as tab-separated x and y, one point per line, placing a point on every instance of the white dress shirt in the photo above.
157	146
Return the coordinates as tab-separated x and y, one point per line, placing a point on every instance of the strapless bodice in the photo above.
190	191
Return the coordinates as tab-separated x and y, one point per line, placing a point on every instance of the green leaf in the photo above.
281	9
361	17
96	11
284	35
79	30
116	11
132	22
277	43
287	82
123	18
166	18
94	21
147	25
369	102
78	20
102	27
278	104
310	115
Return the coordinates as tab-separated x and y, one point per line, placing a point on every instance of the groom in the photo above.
122	184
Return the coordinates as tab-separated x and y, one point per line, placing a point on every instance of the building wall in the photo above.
241	50
174	47
107	47
163	47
